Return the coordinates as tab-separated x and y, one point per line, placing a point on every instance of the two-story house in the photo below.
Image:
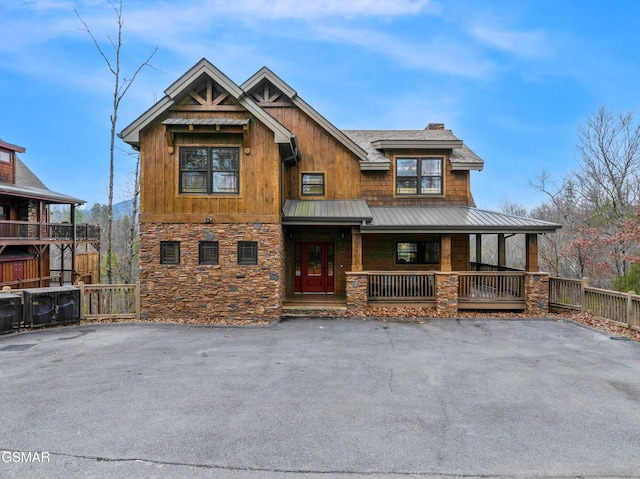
29	241
252	201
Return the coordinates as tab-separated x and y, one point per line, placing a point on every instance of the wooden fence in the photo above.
621	308
110	301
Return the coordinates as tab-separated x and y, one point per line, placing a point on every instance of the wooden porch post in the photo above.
75	244
356	249
502	252
531	263
445	253
478	248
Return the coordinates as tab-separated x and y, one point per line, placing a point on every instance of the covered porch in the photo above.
417	257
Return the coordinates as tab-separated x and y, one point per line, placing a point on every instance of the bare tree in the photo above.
609	147
121	86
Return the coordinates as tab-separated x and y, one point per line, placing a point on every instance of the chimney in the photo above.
435	126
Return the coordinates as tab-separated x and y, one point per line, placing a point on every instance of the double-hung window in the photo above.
210	170
419	176
312	184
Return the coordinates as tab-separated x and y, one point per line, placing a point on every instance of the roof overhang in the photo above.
9	146
39	194
416	144
325	212
375	165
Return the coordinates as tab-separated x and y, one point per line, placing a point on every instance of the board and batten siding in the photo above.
321	153
259	197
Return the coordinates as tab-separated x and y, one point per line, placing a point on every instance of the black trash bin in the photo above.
10	312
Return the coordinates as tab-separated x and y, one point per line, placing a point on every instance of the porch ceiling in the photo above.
450	219
326	212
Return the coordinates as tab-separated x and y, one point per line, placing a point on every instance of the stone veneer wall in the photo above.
227	292
536	286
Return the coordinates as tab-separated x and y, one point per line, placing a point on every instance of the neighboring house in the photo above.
27	236
253	203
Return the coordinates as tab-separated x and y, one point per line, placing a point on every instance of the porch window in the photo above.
420	252
313	184
419	176
169	252
210	170
247	252
208	252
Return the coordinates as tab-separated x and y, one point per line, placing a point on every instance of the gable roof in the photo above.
265	74
202	69
374	142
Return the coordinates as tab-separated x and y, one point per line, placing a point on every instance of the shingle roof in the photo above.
462	157
28	185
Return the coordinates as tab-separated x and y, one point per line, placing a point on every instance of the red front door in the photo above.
315	268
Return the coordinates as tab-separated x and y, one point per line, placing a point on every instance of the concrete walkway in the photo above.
319	399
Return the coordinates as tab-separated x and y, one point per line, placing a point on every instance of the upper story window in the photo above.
5	156
312	184
210	170
419	176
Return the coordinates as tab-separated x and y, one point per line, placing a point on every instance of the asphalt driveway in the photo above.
318	399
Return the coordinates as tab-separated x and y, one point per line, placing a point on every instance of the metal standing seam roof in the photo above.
451	219
326	212
206	121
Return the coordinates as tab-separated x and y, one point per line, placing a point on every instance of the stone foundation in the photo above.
223	293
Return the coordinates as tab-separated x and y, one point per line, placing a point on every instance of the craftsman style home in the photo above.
29	241
253	205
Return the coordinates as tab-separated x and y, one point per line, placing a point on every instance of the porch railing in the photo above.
10	229
110	301
406	286
491	286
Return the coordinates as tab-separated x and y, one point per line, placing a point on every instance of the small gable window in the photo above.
312	184
169	252
419	176
210	170
5	156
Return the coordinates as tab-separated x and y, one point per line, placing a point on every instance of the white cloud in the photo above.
433	55
322	8
523	44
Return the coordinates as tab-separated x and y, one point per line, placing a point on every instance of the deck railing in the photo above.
405	286
493	286
110	301
27	230
621	308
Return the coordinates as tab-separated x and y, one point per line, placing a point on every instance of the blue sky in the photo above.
513	79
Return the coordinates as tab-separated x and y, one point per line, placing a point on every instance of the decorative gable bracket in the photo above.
207	125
